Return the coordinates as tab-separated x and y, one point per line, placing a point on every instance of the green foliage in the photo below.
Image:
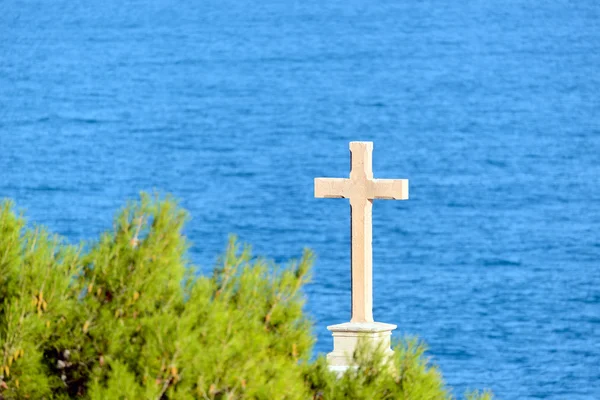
125	318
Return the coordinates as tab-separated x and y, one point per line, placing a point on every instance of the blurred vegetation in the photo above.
127	317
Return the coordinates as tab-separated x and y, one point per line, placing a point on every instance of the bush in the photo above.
126	317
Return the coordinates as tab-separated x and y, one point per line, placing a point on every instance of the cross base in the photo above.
346	337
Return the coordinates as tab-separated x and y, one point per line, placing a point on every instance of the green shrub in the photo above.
126	317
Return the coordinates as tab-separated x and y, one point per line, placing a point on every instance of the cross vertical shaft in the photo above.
361	231
361	212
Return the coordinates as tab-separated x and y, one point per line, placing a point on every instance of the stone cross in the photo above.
361	189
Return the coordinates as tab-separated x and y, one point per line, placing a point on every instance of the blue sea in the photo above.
490	108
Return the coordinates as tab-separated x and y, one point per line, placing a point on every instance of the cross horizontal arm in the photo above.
331	187
396	189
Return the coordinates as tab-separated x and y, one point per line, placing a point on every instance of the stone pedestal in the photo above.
347	335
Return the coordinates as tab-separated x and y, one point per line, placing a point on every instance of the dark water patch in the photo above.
86	121
496	163
376	104
51	188
26	122
499	262
456	204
